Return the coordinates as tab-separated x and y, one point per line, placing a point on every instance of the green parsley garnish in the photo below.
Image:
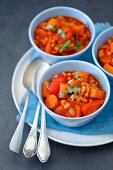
62	94
56	76
51	27
77	85
70	89
66	25
70	81
78	44
73	90
61	32
65	45
72	97
77	75
47	86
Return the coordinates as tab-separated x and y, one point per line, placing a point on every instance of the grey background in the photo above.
15	17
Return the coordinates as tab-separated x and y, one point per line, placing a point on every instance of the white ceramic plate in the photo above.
18	91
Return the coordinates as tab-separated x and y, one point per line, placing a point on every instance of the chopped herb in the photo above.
77	75
78	44
66	25
75	89
70	81
55	29
98	88
47	86
72	97
65	45
62	94
56	76
72	90
61	32
49	27
77	85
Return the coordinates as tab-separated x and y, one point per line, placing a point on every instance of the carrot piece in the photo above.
52	22
85	76
73	112
45	86
74	83
91	107
63	90
40	32
55	84
79	29
60	110
105	59
48	48
97	93
108	68
52	102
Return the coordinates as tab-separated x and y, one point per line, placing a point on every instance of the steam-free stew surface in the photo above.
73	94
61	35
105	55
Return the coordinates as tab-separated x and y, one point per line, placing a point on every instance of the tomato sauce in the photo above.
105	55
73	94
61	35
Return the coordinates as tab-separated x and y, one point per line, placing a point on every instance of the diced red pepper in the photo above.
55	84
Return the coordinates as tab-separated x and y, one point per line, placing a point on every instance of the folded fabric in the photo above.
102	124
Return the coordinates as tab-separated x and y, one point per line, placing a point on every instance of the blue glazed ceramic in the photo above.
56	11
101	39
72	65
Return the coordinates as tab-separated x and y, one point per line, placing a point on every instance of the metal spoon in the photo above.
30	146
43	149
16	139
30	84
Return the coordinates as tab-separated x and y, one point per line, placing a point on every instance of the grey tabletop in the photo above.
15	17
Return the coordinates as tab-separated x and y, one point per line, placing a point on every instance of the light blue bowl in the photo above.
72	65
56	11
100	40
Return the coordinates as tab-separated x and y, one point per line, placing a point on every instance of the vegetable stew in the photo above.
61	35
73	94
105	55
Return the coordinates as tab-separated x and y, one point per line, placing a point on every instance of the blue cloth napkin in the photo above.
102	124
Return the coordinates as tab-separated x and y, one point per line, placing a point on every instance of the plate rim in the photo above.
49	130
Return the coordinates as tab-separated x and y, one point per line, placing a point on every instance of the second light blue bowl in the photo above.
65	11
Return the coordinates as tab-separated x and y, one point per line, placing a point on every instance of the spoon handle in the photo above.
16	140
43	149
30	145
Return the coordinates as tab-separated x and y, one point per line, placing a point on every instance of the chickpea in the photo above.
86	95
83	83
67	106
83	89
83	99
69	78
87	89
68	74
101	53
62	102
64	73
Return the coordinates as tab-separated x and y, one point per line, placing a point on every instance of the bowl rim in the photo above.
93	47
68	8
76	118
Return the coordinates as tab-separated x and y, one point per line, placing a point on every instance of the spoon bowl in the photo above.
30	80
